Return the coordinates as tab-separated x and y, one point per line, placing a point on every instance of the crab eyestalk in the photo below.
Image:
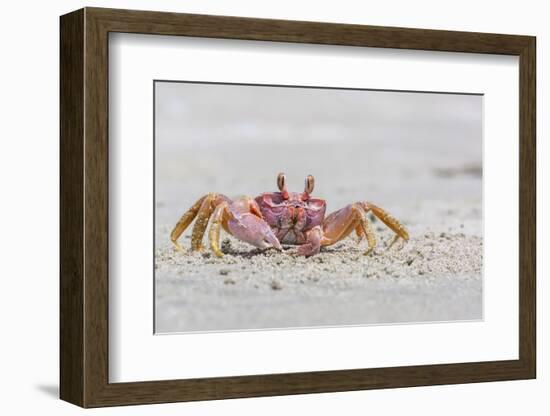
281	184
308	189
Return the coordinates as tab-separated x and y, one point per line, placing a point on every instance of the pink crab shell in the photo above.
291	214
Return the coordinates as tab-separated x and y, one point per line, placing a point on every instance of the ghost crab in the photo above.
283	217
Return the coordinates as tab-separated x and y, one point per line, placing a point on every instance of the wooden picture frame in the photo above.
84	207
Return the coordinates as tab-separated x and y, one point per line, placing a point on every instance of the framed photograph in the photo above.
254	207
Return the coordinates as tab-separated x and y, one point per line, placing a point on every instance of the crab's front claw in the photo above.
253	230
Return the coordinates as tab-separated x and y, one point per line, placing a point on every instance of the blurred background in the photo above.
400	150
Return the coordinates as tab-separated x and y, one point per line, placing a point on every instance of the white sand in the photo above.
434	277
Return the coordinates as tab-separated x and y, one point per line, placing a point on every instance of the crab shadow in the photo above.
287	251
248	254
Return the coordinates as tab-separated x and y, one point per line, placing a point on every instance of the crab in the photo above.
275	218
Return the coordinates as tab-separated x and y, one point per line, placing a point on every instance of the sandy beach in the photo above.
423	165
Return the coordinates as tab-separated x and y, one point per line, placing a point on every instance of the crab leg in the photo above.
313	242
367	230
184	222
387	219
202	222
221	213
341	223
202	209
359	232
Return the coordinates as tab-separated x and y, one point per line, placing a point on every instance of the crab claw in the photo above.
253	230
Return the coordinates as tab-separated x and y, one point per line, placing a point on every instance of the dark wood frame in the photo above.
84	207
